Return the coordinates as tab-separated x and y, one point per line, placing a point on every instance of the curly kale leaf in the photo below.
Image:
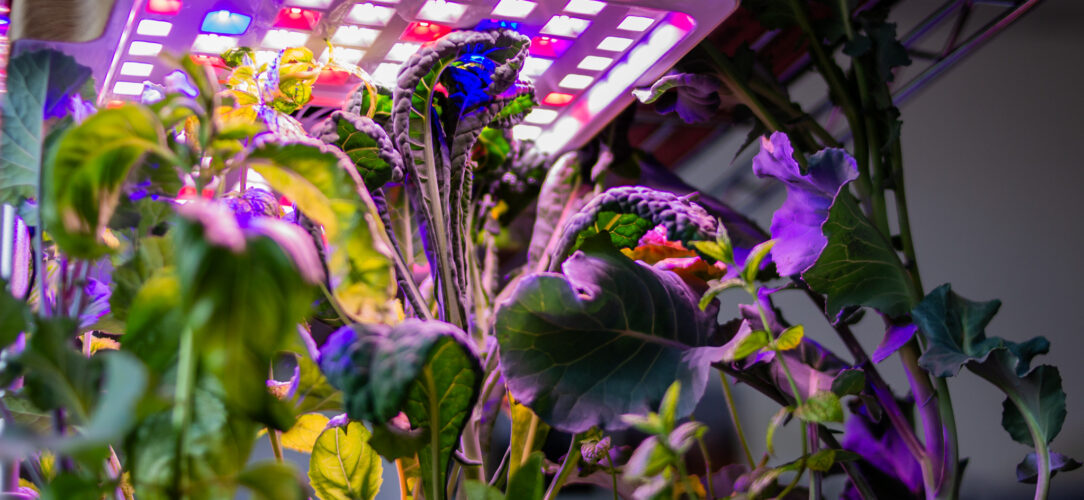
367	145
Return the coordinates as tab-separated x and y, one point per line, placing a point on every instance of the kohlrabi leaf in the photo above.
695	97
88	169
626	213
367	145
374	103
343	466
606	338
1039	394
426	369
477	66
1027	471
39	85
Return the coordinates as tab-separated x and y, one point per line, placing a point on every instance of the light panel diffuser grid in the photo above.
586	54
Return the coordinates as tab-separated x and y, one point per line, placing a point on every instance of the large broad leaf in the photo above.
343	466
367	145
1039	394
425	369
324	184
627	213
84	178
606	338
482	65
38	84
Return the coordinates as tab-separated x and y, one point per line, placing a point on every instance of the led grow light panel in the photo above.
586	55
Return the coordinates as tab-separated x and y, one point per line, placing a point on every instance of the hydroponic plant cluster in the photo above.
201	270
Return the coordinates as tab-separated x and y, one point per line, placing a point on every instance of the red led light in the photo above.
208	59
164	6
544	46
115	103
557	99
424	32
333	77
297	19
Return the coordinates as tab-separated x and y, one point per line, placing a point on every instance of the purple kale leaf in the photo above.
695	97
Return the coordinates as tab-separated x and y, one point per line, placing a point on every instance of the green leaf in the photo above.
272	481
521	417
152	255
858	266
791	338
668	407
822	460
717	287
755	341
1041	396
14	316
314	393
849	382
477	490
344	466
773	425
649	459
822	407
528	482
302	436
366	144
37	84
155	321
753	262
394	443
605	339
91	162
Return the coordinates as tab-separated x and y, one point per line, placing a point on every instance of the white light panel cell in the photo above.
595	63
402	51
540	116
614	44
565	26
128	88
213	44
281	39
635	23
344	55
535	66
386	74
151	27
526	132
513	9
355	36
261	57
585	7
370	14
136	69
139	48
309	4
576	82
440	11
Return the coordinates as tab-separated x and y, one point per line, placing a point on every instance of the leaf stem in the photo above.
572	459
1042	484
182	409
276	444
737	421
403	493
613	470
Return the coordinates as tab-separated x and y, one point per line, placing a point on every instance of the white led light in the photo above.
136	69
312	4
516	9
526	132
540	116
144	48
128	88
402	51
565	26
151	27
345	55
535	66
595	63
355	35
558	134
615	44
281	39
635	23
386	74
213	44
262	57
574	81
370	14
440	11
586	7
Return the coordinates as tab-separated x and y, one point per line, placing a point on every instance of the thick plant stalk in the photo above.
569	465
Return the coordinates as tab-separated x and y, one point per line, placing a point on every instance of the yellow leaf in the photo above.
790	338
100	343
302	436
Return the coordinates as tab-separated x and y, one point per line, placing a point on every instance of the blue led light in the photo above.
492	24
224	22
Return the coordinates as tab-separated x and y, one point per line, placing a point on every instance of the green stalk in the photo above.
613	470
707	465
571	460
1042	484
451	304
741	88
679	464
737	421
182	410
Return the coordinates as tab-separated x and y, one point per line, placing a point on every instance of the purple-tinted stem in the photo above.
927	403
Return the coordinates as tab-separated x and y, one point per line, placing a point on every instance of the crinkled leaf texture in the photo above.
822	235
695	97
605	338
426	369
367	145
38	86
343	466
626	213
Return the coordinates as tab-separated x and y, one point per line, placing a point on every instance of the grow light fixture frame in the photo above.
571	39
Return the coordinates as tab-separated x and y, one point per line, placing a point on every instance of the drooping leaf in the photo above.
574	347
343	466
272	481
1027	471
895	338
626	213
367	145
695	97
822	407
91	162
559	199
849	382
38	86
1041	396
791	338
